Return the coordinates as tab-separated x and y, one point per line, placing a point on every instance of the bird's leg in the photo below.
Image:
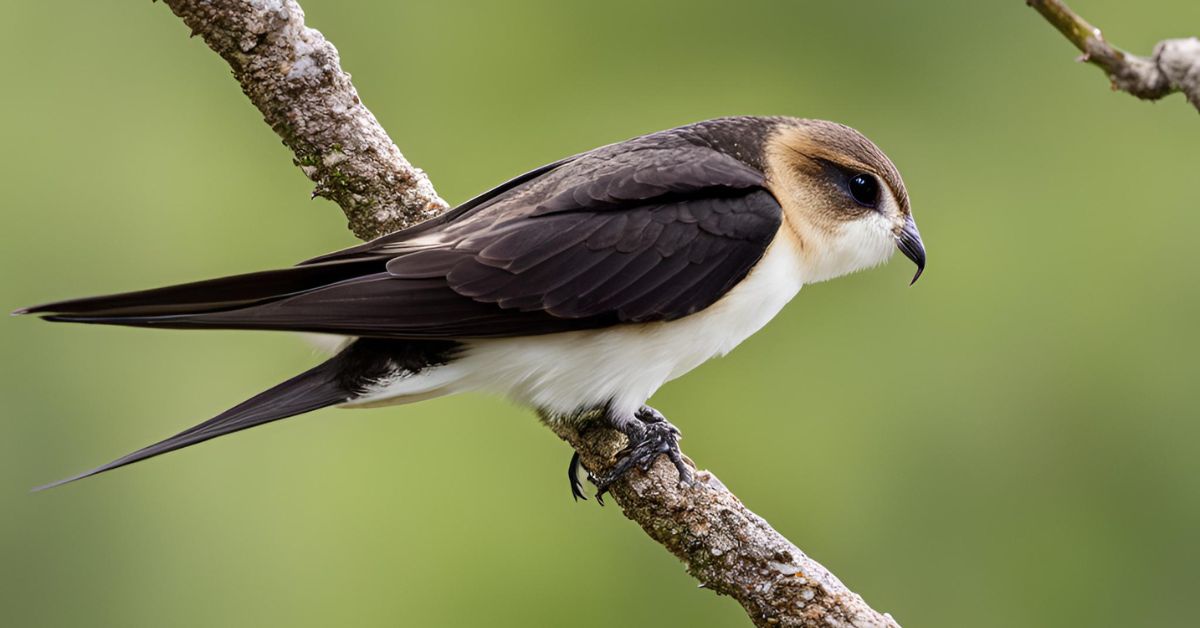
649	434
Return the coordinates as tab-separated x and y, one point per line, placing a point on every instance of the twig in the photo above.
1174	66
292	74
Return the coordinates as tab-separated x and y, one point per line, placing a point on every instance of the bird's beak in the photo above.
909	243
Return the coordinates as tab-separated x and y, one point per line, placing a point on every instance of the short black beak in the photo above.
909	243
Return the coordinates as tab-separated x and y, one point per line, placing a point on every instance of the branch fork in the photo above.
1174	66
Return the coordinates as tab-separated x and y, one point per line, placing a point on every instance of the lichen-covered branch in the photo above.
724	545
292	74
294	77
1173	67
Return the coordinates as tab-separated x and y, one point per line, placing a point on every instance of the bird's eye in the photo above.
865	189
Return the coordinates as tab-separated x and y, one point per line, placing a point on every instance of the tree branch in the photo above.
724	545
292	74
1174	66
294	77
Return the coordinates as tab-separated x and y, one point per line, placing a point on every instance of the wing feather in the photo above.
653	229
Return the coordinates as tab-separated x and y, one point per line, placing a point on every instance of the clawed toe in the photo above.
657	436
649	434
573	476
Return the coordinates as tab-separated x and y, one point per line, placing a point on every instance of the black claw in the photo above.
573	476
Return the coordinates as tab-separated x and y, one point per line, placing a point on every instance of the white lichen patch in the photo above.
333	158
786	569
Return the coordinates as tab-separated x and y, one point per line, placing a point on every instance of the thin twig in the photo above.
292	74
1174	66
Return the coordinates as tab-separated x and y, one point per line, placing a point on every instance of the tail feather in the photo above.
212	295
316	388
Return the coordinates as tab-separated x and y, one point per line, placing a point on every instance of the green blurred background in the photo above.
1013	442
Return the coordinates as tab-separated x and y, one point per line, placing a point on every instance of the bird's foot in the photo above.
650	434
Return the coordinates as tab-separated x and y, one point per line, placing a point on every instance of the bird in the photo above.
576	289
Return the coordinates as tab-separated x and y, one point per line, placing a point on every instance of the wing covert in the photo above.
652	229
660	260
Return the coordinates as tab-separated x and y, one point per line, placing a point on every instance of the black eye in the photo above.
865	189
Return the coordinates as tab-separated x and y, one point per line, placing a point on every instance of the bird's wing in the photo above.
375	247
657	260
627	233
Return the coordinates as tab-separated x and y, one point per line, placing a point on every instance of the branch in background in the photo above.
293	76
1174	67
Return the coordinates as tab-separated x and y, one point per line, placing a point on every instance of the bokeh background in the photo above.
1013	442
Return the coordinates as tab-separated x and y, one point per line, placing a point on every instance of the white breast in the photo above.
626	364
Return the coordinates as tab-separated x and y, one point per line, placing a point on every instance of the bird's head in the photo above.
843	199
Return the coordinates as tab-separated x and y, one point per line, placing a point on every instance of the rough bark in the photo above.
723	544
294	77
1173	67
292	74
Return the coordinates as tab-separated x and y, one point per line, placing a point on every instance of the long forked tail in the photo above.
212	295
321	386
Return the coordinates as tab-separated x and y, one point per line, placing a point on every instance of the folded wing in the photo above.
634	232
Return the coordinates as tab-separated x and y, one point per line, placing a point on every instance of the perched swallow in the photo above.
577	289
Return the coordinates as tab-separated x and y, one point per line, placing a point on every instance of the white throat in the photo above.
856	245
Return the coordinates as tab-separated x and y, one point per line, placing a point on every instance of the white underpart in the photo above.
624	365
858	245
